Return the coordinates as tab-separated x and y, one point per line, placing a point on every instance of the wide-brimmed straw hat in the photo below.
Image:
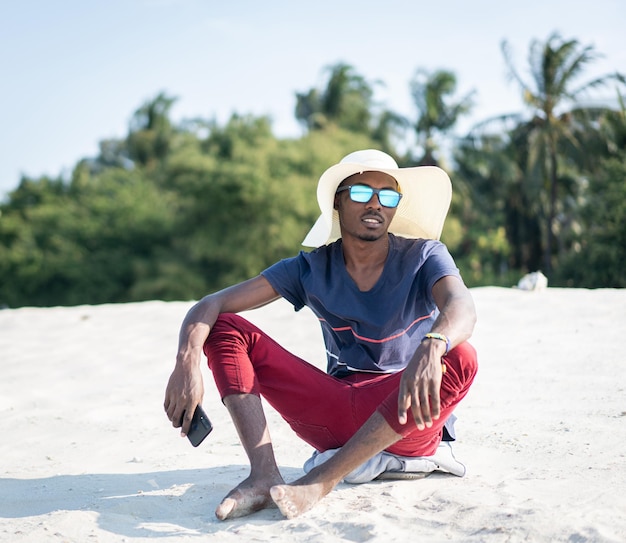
426	194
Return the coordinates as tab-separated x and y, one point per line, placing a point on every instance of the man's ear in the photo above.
336	202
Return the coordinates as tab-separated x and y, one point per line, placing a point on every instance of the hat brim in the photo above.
426	196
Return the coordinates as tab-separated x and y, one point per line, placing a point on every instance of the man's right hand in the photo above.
185	390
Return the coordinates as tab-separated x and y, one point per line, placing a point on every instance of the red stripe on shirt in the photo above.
384	340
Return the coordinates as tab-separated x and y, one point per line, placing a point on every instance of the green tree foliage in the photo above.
432	93
242	205
599	255
552	136
500	230
176	210
346	101
80	245
151	131
216	205
598	252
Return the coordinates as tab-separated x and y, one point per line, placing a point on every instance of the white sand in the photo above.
87	454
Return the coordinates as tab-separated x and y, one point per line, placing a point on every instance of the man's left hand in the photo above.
420	385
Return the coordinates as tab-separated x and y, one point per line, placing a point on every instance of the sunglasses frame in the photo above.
377	192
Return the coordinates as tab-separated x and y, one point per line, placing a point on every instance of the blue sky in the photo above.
72	72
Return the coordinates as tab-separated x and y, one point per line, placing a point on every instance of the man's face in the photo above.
367	221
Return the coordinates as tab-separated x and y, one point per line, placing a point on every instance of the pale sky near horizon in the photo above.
73	72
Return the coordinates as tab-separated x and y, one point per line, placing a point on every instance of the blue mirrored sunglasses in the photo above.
363	194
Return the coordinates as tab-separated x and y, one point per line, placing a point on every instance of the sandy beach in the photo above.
88	455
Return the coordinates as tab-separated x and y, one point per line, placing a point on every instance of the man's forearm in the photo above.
456	321
195	330
457	313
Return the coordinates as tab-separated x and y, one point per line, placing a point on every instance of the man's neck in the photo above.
365	260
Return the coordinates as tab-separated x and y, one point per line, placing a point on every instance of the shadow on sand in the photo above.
136	505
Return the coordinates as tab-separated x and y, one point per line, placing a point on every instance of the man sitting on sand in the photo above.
395	317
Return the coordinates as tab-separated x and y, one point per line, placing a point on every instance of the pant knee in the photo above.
228	328
227	322
461	368
464	360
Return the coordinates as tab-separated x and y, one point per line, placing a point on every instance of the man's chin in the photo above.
370	237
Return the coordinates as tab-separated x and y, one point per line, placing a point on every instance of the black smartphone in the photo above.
200	427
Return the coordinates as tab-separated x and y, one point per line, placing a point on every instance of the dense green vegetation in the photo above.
173	211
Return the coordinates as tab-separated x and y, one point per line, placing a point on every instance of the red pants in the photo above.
326	411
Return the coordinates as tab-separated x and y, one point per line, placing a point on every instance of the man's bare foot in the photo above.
248	497
299	497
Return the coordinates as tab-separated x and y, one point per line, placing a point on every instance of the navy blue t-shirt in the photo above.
376	331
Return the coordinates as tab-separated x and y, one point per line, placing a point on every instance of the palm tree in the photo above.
346	101
437	115
558	118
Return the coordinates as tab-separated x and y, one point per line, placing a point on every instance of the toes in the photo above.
286	506
290	511
277	492
225	508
